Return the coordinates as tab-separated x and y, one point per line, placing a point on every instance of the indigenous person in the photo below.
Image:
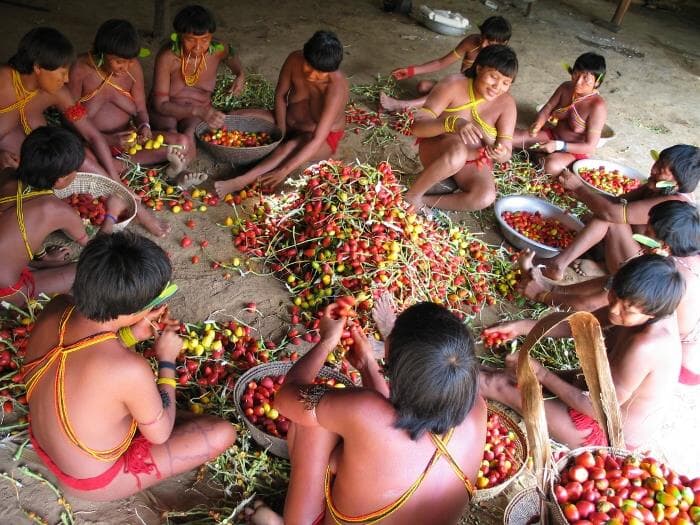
494	30
430	413
675	225
29	212
108	81
644	350
310	101
33	80
185	74
569	125
674	176
466	124
99	420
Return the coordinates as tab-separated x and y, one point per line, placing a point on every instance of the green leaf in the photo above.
665	184
144	52
654	154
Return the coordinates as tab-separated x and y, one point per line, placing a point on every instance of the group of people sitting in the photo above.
407	445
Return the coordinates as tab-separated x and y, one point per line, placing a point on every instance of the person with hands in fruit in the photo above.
674	176
30	212
403	452
644	351
569	125
464	127
310	100
100	419
185	74
494	30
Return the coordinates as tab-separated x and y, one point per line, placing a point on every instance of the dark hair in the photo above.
432	370
194	19
496	29
119	274
45	47
684	162
323	51
117	37
652	283
47	154
592	63
499	57
677	223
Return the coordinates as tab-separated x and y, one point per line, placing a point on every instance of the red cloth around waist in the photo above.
596	437
334	138
26	279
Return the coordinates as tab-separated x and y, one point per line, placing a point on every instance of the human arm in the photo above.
594	127
362	358
429	121
639	356
8	160
567	393
284	85
502	149
233	61
555	101
69	222
584	296
76	78
138	92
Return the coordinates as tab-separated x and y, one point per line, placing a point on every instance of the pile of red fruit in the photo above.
495	339
612	182
539	228
233	138
258	399
599	488
89	207
501	458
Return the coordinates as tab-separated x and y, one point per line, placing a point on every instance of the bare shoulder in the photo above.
165	57
469	41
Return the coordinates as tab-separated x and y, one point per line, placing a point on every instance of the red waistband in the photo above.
26	279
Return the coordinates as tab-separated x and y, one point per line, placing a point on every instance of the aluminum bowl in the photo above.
532	204
608	166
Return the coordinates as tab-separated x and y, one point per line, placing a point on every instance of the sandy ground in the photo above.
651	88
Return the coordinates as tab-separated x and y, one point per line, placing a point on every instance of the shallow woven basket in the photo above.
97	186
521	453
523	508
241	156
273	444
555	509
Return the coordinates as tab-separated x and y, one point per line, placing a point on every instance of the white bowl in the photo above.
608	166
532	204
606	135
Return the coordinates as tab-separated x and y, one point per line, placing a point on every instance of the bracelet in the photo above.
410	71
127	336
544	296
624	212
40	254
167	381
110	216
559	145
144	125
435	115
166	365
450	123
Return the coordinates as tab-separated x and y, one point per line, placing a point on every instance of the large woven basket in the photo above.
241	156
273	444
524	507
521	453
98	186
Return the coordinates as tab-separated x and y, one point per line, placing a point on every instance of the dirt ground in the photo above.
651	88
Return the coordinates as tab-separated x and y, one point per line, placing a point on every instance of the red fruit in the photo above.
195	259
190	224
585	508
185	242
571	512
560	493
586	459
578	473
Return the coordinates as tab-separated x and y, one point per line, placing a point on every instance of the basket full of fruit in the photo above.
241	140
255	400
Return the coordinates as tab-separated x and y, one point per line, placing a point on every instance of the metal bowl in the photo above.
532	204
608	166
605	136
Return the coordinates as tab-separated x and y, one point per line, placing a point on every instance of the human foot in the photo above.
550	268
384	314
55	256
588	268
223	187
187	179
388	103
177	161
153	225
532	281
261	514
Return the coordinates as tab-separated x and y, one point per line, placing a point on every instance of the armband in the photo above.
75	113
410	71
167	381
429	111
559	145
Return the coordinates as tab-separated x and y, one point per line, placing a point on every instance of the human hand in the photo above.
569	180
153	322
360	353
509	329
512	361
115	206
548	147
400	73
144	133
470	133
332	325
535	129
8	160
214	118
238	85
126	139
273	179
496	151
168	345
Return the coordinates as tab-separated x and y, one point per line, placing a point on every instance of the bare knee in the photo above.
455	155
424	86
223	436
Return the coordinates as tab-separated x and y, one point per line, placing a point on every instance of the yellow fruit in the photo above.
149	144
176	209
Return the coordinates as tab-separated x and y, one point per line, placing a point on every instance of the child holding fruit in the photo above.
85	411
674	176
108	81
644	351
310	101
464	127
29	212
494	30
185	74
364	447
568	126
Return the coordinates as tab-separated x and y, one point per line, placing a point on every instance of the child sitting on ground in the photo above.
569	125
674	176
29	212
494	30
86	411
641	336
310	101
185	74
108	81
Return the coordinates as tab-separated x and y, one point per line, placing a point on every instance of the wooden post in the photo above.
160	13
622	7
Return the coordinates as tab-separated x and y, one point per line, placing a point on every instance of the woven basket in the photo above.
273	444
521	453
98	186
524	507
241	156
